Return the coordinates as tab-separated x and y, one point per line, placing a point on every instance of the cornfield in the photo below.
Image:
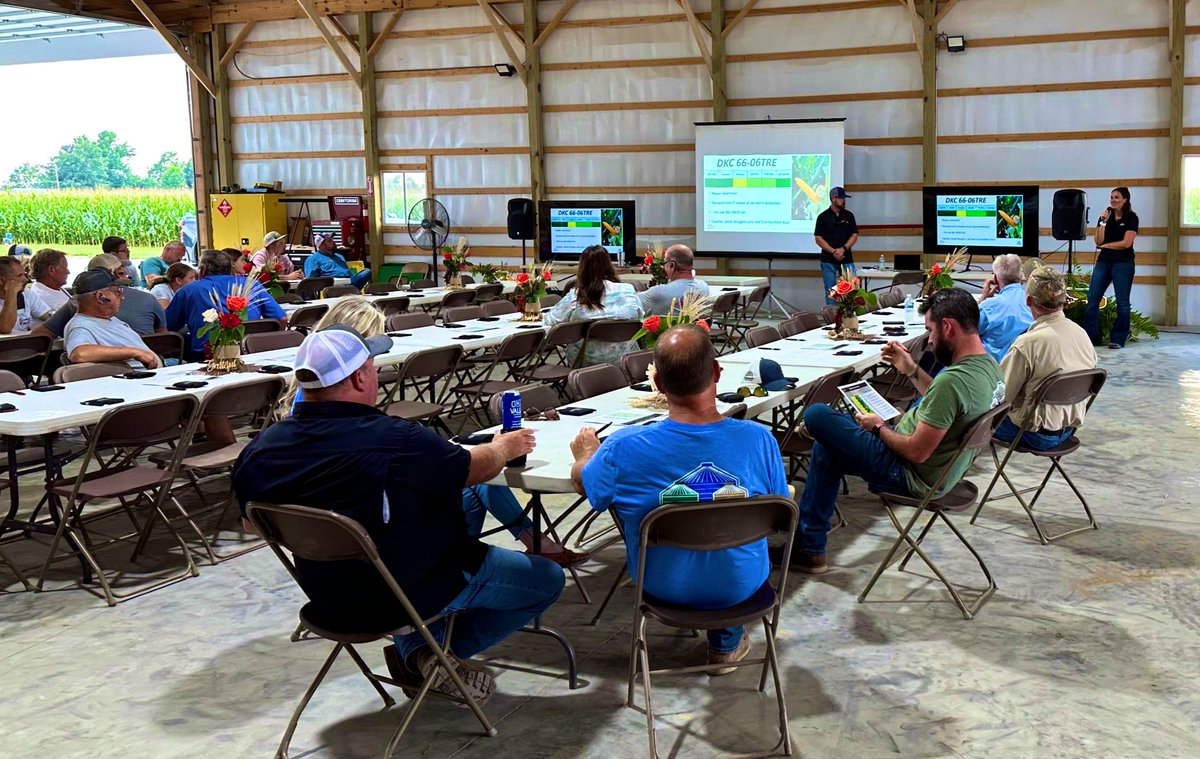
85	217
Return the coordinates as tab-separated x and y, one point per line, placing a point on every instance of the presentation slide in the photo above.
574	229
980	221
765	202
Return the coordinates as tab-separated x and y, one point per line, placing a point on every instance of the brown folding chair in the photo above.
892	298
452	299
282	298
270	341
262	326
723	320
420	373
339	291
87	371
550	301
25	355
462	314
762	336
829	314
961	497
413	271
798	323
380	288
415	320
1064	390
318	535
392	304
636	364
472	395
714	526
746	313
127	429
422	284
310	288
902	278
488	293
611	331
166	344
500	307
595	380
553	363
303	319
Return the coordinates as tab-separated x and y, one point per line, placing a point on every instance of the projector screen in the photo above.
761	184
986	219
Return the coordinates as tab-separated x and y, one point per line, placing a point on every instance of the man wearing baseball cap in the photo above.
404	485
94	334
325	261
835	233
274	251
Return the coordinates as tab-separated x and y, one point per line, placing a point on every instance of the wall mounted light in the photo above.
505	69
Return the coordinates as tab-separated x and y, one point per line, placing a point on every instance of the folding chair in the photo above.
796	447
87	371
762	336
392	304
462	314
595	380
270	341
413	271
282	298
500	307
611	331
25	355
553	363
829	314
473	394
902	278
745	314
636	364
310	288
379	288
714	526
798	323
421	372
262	326
1067	389
422	284
722	320
319	535
891	298
896	388
130	429
339	291
415	320
488	293
550	301
303	319
958	499
452	299
167	344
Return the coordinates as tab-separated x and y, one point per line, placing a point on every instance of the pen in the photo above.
602	429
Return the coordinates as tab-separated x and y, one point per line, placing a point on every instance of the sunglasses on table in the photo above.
758	391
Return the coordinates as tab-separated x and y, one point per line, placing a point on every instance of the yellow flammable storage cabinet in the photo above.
246	216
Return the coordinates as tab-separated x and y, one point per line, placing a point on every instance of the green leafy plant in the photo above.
1076	311
85	217
487	272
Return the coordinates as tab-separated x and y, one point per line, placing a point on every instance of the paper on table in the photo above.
627	417
864	399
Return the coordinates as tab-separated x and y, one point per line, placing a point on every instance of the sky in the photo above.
47	105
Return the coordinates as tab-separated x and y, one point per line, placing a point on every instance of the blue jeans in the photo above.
1120	276
1039	441
841	448
829	275
361	279
480	500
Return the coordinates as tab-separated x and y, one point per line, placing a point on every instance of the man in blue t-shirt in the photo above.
1003	314
694	455
325	261
187	308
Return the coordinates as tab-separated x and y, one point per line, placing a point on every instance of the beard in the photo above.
941	351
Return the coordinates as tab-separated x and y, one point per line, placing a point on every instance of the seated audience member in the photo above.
20	307
597	295
154	269
705	451
50	271
274	250
404	484
178	275
95	334
908	458
139	309
186	310
119	248
325	261
1003	314
677	260
1053	345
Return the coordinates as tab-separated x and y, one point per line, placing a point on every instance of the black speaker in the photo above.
1069	219
520	219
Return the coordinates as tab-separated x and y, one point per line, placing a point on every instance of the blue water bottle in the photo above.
510	419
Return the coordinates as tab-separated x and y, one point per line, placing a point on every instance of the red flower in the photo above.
229	321
446	256
652	323
702	324
936	270
236	303
522	278
246	267
467	253
246	251
264	278
843	287
546	276
648	260
860	300
278	267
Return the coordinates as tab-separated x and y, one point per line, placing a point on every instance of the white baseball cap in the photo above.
330	355
272	238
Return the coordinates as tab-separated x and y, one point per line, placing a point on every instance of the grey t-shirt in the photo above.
92	330
657	300
140	310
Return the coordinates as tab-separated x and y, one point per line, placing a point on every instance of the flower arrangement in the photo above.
224	324
655	264
938	276
692	310
486	272
455	261
530	289
850	297
268	276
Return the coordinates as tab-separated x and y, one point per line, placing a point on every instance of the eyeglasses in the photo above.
758	391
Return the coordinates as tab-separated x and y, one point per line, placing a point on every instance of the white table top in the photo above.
715	279
974	275
427	297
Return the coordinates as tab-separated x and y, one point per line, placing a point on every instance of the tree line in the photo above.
85	163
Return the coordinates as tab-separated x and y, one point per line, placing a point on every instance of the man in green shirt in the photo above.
154	270
907	458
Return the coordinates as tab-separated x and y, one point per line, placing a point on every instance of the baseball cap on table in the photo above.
272	238
771	376
839	192
94	279
330	355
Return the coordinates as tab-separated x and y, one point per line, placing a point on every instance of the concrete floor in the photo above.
1091	647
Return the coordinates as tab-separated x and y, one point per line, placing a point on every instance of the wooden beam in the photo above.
341	30
387	29
945	9
330	40
533	107
499	25
927	45
237	43
169	37
370	123
554	22
224	127
1177	45
695	25
720	98
749	6
202	153
917	23
687	11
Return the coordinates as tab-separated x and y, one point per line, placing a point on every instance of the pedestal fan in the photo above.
429	228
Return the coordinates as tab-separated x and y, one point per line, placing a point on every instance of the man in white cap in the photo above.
327	262
404	485
274	251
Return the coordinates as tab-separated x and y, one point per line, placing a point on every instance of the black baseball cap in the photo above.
93	280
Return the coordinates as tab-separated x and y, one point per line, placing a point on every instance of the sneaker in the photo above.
715	657
478	680
813	564
1114	346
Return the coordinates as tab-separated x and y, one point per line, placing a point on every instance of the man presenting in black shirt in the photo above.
404	485
836	232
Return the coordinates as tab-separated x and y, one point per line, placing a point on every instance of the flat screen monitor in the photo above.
987	220
567	227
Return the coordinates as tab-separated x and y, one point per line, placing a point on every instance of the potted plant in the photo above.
852	300
530	290
654	264
691	310
224	324
455	261
268	276
938	276
488	273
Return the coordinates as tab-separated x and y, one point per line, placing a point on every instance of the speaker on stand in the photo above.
521	220
1069	221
